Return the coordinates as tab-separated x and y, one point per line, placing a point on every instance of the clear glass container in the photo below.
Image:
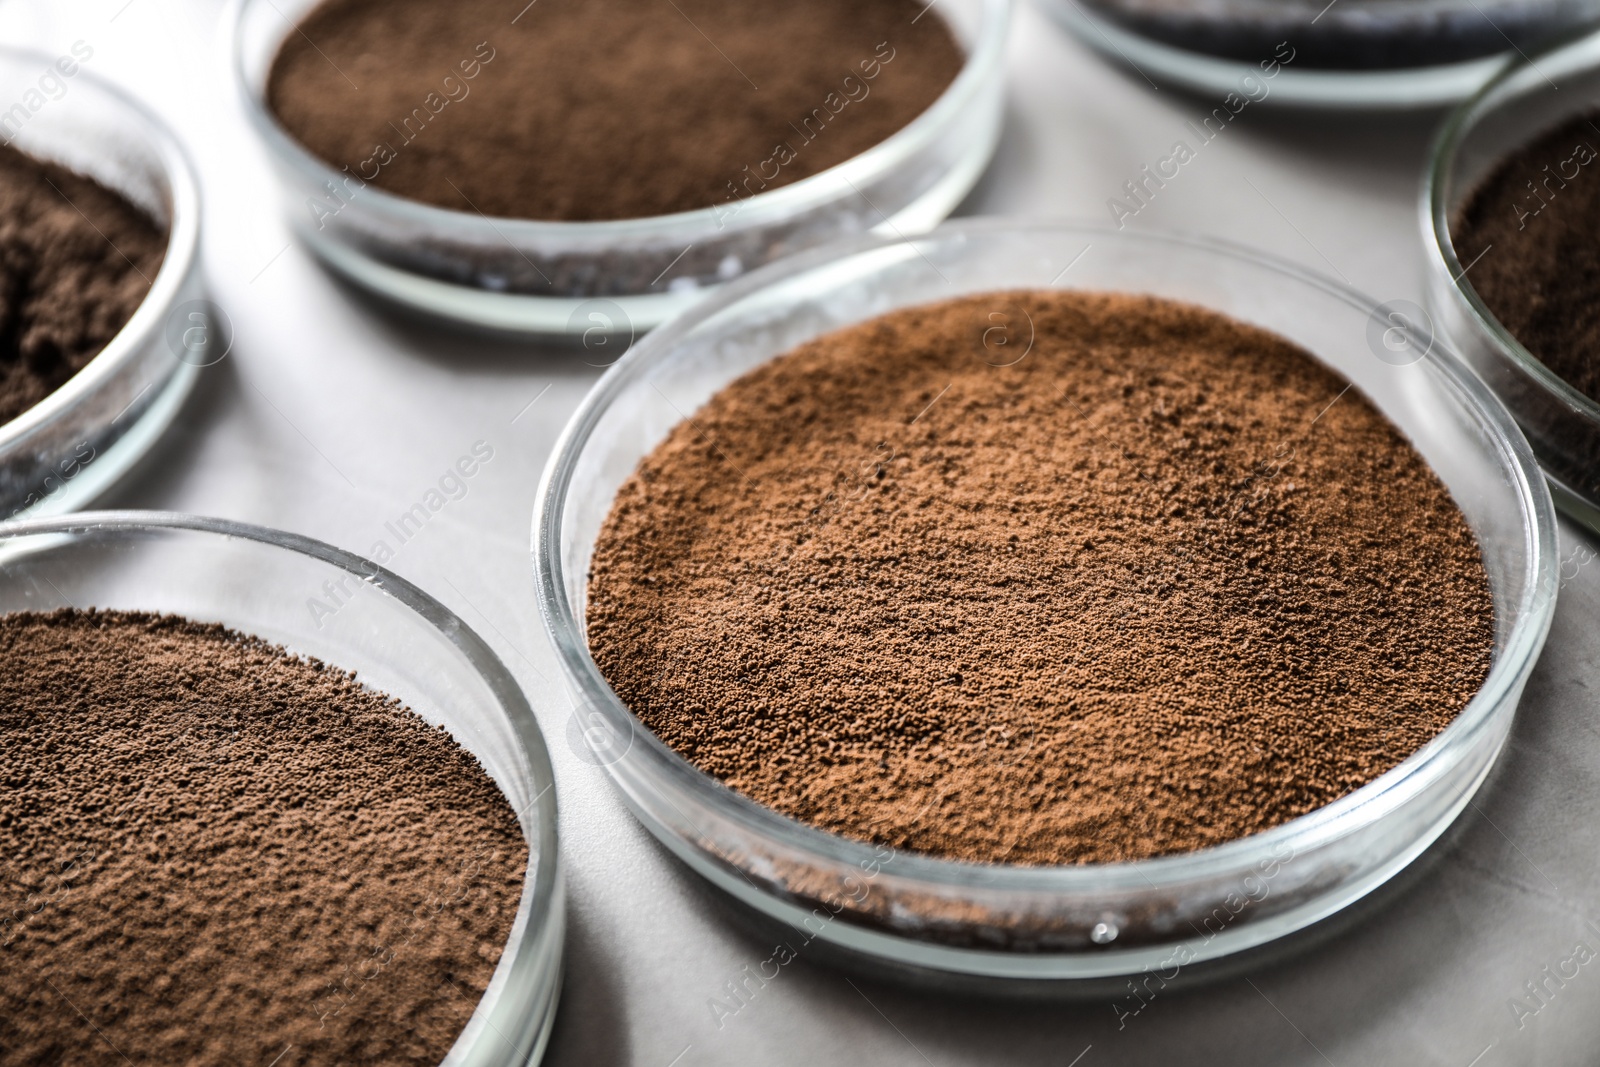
1514	109
68	448
1360	54
1064	922
535	277
396	639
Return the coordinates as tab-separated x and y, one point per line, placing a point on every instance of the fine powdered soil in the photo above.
1153	583
603	109
1528	233
215	853
76	260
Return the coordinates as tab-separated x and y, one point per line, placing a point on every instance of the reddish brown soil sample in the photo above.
216	853
76	261
1159	583
603	109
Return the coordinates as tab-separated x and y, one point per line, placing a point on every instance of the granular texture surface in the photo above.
1160	582
1528	233
603	109
215	853
76	260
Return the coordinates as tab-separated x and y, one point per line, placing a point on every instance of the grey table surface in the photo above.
332	415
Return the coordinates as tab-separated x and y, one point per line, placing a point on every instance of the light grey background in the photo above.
331	416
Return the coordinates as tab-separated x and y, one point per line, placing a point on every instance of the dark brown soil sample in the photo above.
603	109
215	853
76	260
1158	583
1527	237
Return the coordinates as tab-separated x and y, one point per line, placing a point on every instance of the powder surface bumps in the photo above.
219	854
1153	583
1528	233
603	109
76	261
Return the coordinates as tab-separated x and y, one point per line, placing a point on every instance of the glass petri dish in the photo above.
1378	55
65	450
544	278
1064	922
396	639
1518	105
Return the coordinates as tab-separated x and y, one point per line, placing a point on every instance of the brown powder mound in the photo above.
603	109
76	260
1527	236
215	853
1127	596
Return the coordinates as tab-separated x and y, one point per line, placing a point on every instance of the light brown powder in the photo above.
1139	592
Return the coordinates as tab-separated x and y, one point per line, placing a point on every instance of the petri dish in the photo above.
1378	55
1063	923
392	635
534	277
1527	98
67	449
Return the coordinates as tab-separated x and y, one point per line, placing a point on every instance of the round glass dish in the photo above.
1377	55
1520	104
71	446
1048	922
536	277
396	638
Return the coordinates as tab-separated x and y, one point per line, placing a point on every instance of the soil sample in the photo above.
603	109
218	853
1527	237
76	261
1041	578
